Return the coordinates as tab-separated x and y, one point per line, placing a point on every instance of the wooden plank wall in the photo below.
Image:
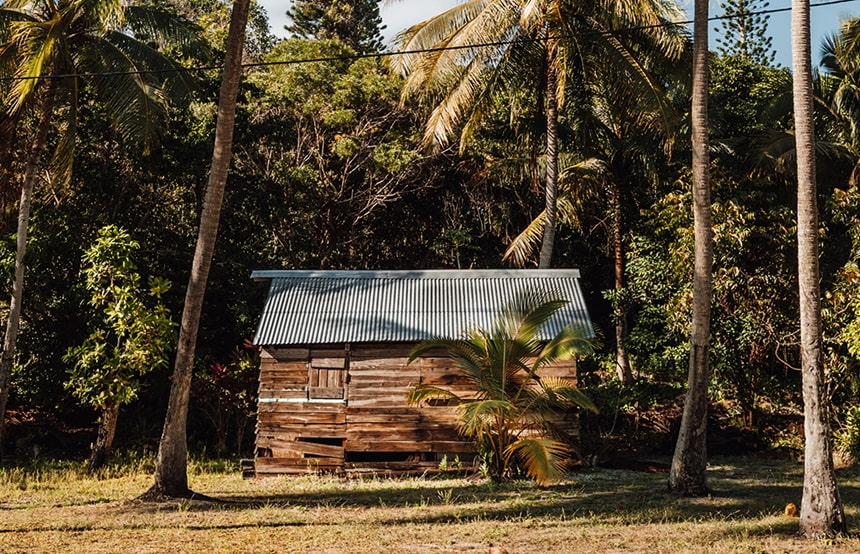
343	408
378	419
295	433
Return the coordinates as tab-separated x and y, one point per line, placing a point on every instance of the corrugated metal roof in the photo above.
318	307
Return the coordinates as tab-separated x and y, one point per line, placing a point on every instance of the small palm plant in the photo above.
512	417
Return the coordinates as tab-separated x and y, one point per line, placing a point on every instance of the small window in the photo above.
326	378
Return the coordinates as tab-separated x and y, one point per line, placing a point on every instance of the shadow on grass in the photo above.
745	491
613	496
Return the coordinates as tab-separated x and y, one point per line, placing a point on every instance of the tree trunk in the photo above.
14	318
821	511
104	440
551	155
8	139
687	474
622	360
171	477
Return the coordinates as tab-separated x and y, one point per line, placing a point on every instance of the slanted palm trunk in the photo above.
622	360
551	155
821	510
171	477
104	439
14	318
687	474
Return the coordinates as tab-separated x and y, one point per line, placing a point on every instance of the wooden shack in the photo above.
334	373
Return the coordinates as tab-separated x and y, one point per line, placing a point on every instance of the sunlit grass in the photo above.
59	506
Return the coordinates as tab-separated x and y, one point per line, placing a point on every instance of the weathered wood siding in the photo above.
343	408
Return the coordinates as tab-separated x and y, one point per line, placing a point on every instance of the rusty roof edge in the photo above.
268	275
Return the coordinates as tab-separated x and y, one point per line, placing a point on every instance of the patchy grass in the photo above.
59	507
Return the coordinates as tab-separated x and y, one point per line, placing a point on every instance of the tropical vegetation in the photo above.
436	159
515	415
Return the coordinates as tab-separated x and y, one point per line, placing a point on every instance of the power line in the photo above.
417	51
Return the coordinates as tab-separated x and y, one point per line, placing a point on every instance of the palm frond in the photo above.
37	45
168	29
63	157
522	249
423	392
573	341
469	354
544	459
432	32
135	106
565	392
482	415
176	83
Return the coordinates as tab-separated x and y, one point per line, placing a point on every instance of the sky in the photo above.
399	14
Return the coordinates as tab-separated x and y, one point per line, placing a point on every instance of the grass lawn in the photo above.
56	507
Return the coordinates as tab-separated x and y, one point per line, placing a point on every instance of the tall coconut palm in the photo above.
511	418
547	39
687	474
619	131
821	512
171	470
45	46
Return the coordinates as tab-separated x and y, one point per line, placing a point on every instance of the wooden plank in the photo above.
282	442
382	417
300	407
284	368
328	352
444	376
383	373
274	394
408	446
281	385
325	392
435	362
313	430
287	449
355	436
328	363
395	411
336	378
378	402
393	363
381	351
273	465
288	365
287	353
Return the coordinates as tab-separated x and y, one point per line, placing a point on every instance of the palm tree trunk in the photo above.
104	439
171	477
821	512
551	155
622	360
687	474
8	139
14	318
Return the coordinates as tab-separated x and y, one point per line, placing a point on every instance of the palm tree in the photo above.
512	417
560	40
171	470
620	133
837	95
687	474
45	46
821	512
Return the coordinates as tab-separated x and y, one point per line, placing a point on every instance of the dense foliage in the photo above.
329	173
